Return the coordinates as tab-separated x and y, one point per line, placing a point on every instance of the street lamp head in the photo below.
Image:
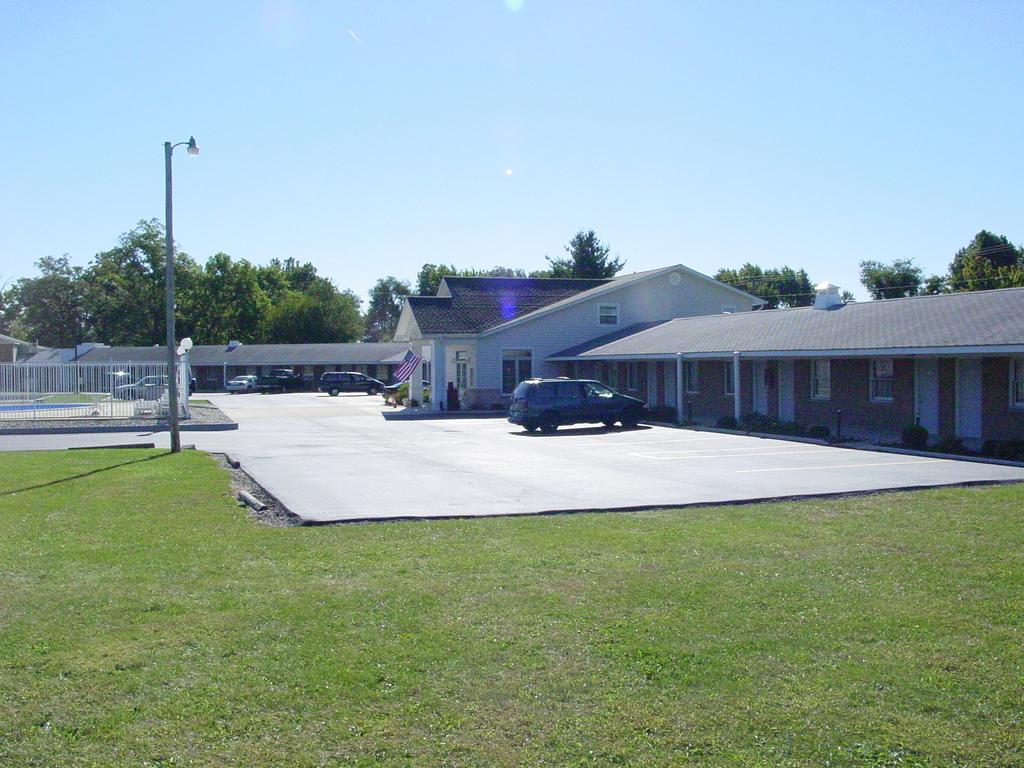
192	148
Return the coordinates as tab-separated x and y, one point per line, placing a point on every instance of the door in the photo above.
926	394
968	398
569	401
598	402
760	387
787	410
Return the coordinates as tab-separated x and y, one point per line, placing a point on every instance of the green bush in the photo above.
727	422
662	413
403	392
819	431
951	445
1010	450
756	422
915	437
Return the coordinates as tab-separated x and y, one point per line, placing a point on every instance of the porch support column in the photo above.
416	379
679	387
439	376
652	383
737	400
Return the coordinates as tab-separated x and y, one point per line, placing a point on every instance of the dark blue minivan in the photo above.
547	404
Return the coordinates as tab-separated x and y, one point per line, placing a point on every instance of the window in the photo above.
729	388
1017	383
881	380
516	366
821	380
608	314
690	376
590	389
462	370
544	392
612	379
567	391
633	376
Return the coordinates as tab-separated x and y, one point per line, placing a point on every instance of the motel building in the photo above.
697	350
213	365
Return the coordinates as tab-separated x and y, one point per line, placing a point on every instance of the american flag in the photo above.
408	365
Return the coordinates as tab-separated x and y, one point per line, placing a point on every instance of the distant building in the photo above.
14	350
486	334
214	364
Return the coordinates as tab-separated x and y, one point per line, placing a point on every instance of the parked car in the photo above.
241	384
147	388
336	382
280	380
547	404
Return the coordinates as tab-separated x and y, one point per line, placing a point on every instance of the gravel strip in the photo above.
276	514
203	417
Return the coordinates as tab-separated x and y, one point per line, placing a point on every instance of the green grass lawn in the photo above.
76	397
146	620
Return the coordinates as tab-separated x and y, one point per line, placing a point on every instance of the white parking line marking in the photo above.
611	444
844	466
674	456
743	450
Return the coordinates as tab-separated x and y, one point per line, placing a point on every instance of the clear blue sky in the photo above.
371	137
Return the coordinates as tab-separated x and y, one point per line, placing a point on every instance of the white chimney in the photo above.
827	296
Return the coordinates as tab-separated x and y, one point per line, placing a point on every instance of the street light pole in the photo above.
172	354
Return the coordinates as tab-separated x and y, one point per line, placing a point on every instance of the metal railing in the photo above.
62	391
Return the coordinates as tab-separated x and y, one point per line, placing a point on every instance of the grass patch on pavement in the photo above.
146	620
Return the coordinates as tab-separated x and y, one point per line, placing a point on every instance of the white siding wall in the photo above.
645	301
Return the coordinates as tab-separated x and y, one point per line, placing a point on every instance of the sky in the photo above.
372	137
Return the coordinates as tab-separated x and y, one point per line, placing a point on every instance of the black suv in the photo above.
549	403
334	382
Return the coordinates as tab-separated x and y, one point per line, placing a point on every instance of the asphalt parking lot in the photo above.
336	459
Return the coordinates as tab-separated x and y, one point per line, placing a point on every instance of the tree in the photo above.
51	308
125	289
235	306
891	281
588	258
322	314
8	307
430	275
386	300
988	261
782	287
934	284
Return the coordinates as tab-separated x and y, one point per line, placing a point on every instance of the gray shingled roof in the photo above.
44	356
478	304
981	319
259	354
5	339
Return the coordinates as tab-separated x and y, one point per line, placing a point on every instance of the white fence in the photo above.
43	393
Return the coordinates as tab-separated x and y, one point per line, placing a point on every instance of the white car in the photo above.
241	384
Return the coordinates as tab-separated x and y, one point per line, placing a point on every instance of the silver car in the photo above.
241	384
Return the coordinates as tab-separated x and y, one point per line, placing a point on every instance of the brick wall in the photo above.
710	402
862	417
998	420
